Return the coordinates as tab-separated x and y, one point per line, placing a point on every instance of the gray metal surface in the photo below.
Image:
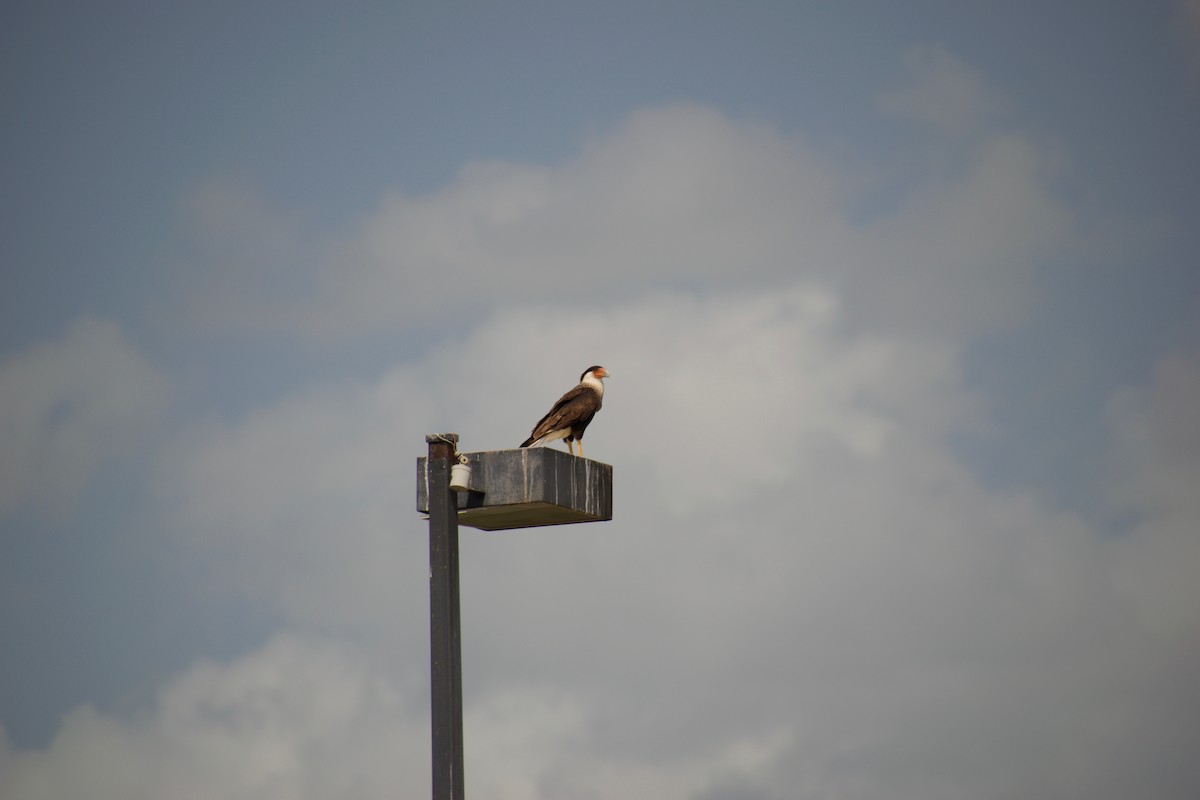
445	636
528	487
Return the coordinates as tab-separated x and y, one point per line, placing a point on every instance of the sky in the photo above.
901	304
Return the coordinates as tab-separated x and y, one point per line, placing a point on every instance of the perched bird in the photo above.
572	413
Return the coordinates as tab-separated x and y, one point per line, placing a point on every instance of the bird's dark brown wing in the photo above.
580	402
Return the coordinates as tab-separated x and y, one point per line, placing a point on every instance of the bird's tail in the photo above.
528	442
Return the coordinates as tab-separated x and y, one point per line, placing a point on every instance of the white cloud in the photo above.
943	91
318	483
66	405
803	591
310	718
297	719
674	198
314	486
798	566
959	256
676	195
1189	19
802	587
1159	428
1155	481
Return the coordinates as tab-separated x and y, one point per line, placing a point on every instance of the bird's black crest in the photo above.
586	371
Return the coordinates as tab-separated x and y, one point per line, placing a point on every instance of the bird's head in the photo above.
597	372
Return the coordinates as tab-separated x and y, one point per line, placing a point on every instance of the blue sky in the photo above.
937	261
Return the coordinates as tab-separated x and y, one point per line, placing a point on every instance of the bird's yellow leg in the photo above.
570	447
581	448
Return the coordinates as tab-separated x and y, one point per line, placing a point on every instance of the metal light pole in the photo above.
444	632
508	489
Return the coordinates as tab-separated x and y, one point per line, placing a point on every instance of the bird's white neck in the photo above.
593	382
